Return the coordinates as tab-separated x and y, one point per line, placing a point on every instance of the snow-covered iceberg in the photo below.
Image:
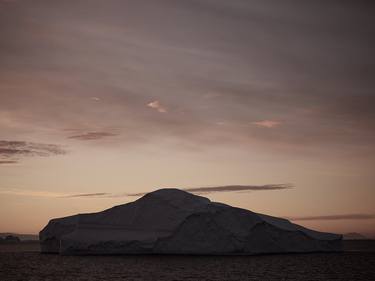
172	221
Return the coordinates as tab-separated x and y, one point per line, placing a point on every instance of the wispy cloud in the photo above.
2	162
267	123
229	188
11	151
48	194
335	217
157	106
98	194
197	190
92	135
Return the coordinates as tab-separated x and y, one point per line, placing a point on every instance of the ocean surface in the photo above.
24	262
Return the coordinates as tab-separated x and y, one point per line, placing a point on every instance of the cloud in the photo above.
92	136
10	151
229	188
157	105
266	123
47	194
197	190
210	73
8	162
335	217
98	194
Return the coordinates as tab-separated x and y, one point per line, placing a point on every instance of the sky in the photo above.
261	104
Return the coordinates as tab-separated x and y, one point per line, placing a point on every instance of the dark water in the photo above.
335	266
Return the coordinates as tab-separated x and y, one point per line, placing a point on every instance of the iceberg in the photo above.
172	221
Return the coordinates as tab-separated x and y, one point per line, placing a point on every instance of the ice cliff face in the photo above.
171	221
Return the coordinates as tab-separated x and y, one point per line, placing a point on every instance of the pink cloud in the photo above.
157	105
267	123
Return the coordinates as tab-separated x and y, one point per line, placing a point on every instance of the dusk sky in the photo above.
263	105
